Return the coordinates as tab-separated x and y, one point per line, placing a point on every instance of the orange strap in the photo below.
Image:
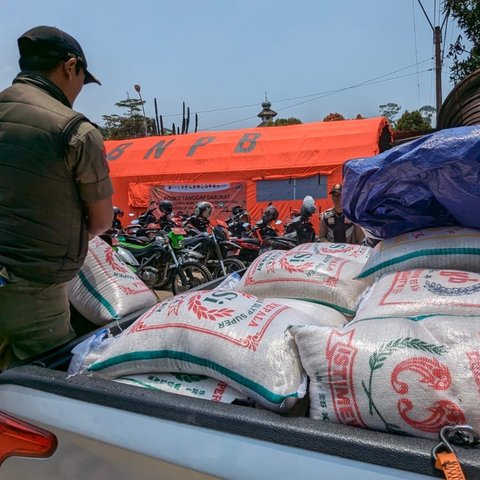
448	463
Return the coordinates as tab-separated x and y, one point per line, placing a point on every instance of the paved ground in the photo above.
163	294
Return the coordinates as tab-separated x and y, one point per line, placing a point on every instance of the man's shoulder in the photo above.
84	130
330	212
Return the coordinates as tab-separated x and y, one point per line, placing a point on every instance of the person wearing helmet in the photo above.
301	224
166	222
117	224
270	214
239	222
334	226
201	216
166	207
151	215
237	210
308	207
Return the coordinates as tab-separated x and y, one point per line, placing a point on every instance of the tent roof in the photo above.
303	149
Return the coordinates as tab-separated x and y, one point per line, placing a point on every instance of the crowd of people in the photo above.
334	227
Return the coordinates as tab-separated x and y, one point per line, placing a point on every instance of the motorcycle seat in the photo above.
253	241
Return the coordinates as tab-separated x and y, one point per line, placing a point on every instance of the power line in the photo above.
276	101
325	94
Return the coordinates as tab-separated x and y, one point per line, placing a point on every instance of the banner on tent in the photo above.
184	197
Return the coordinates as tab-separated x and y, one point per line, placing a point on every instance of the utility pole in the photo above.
437	40
438	67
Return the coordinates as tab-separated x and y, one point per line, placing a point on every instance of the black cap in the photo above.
50	42
337	188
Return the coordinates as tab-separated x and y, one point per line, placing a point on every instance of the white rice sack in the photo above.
105	289
422	292
317	277
397	375
231	336
358	253
456	248
323	315
198	386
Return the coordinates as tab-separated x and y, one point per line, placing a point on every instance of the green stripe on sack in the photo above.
137	382
186	357
96	294
345	311
419	253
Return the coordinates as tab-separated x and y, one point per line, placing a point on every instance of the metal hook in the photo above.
457	434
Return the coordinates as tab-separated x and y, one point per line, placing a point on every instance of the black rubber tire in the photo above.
190	269
231	265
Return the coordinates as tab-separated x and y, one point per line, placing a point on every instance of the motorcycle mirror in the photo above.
135	222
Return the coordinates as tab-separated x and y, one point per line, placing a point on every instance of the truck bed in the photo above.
232	441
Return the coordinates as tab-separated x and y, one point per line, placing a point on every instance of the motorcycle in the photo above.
162	261
219	253
268	234
239	223
243	235
300	227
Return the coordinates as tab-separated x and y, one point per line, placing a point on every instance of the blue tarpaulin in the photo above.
429	182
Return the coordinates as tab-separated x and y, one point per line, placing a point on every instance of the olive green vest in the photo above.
43	233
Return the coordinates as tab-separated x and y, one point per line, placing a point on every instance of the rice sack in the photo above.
105	289
359	253
396	375
321	278
422	292
456	248
197	386
231	336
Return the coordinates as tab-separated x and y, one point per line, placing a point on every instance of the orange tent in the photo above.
249	167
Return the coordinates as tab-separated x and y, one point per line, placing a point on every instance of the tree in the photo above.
390	110
334	117
280	122
465	59
359	117
427	112
132	125
412	121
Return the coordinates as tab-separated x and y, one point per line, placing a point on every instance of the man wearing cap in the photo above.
55	191
334	226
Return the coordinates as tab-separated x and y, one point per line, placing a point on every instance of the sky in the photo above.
311	57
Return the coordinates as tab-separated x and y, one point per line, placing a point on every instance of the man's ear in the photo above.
69	67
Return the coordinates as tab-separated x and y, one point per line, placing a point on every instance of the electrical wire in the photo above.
426	15
277	101
326	94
